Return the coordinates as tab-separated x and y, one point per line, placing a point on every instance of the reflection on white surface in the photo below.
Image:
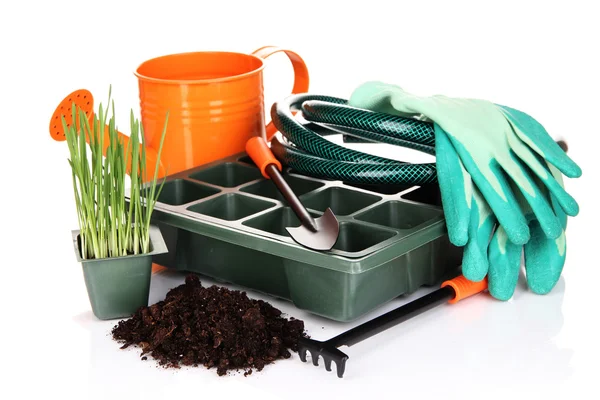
472	342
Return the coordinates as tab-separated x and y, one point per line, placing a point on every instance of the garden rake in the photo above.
451	291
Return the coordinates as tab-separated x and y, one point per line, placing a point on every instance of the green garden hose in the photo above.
307	152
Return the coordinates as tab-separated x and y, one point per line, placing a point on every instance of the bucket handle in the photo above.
301	79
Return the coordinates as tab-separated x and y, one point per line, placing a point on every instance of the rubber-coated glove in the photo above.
499	258
544	257
478	142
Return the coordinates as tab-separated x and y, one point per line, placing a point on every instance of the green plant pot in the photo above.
118	286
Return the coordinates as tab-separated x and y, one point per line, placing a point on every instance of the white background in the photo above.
538	56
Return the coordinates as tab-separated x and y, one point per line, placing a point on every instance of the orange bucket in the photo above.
215	103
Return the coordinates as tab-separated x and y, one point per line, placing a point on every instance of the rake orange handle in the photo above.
262	155
464	288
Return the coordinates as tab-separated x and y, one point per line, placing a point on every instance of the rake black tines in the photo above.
325	350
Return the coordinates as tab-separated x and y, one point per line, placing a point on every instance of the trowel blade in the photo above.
328	229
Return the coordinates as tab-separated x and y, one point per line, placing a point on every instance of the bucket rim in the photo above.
147	78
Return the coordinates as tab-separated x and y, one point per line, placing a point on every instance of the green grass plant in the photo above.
109	227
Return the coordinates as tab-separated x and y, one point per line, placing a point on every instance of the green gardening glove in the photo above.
544	256
498	258
489	158
501	259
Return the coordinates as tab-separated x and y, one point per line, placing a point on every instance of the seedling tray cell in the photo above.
224	220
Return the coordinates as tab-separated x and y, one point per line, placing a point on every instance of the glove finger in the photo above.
534	134
475	256
456	188
504	265
545	257
560	213
495	188
530	197
537	165
544	260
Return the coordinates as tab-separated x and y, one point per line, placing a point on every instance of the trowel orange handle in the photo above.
84	100
262	155
464	288
270	168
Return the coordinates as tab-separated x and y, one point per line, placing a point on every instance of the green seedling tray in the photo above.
225	221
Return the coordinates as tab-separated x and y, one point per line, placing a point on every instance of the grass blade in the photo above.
101	161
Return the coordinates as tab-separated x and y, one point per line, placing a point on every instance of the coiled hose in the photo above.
307	152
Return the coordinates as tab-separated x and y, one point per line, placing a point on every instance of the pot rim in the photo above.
146	77
157	246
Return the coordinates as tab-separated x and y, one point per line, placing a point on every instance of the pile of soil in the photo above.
210	326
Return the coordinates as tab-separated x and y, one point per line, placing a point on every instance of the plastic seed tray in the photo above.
224	220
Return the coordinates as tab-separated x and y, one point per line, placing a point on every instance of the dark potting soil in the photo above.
211	326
